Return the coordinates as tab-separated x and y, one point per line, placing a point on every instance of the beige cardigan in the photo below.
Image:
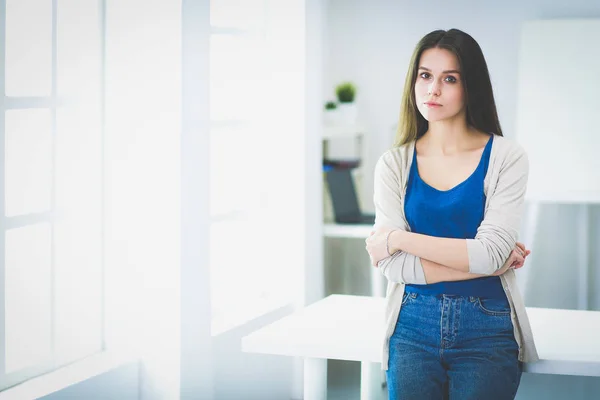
504	186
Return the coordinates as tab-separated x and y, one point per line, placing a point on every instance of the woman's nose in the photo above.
434	89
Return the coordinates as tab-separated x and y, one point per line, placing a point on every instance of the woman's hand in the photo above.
377	245
523	250
516	259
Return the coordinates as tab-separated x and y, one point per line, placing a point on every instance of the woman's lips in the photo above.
432	105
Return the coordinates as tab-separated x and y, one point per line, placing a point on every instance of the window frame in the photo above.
52	103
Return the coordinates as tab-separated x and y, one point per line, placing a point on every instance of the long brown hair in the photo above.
479	97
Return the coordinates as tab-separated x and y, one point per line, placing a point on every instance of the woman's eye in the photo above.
451	79
425	75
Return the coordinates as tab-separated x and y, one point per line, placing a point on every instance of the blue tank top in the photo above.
454	213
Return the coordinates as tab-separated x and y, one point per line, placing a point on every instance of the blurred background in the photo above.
165	185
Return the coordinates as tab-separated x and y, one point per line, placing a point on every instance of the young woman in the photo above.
449	201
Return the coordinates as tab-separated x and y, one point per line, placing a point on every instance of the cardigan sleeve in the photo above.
498	232
401	267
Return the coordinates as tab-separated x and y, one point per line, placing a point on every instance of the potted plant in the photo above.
346	93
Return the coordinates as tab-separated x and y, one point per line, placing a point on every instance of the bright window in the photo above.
256	157
51	191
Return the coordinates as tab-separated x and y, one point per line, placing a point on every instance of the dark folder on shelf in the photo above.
344	198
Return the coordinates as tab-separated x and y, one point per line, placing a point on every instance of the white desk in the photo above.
358	231
346	327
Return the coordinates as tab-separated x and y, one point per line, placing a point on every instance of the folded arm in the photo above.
452	253
402	266
423	259
496	236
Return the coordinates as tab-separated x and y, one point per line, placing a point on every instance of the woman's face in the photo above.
438	89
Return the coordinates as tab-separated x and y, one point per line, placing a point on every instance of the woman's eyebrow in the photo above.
450	71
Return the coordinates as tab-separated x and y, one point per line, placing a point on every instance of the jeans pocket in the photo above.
499	307
404	297
407	296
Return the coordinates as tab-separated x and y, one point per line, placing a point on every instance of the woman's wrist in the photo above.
394	241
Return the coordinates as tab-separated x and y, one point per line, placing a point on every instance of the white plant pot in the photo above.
331	117
348	113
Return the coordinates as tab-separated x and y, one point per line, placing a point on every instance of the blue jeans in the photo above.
453	347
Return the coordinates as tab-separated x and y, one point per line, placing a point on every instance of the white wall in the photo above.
239	375
370	43
143	129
